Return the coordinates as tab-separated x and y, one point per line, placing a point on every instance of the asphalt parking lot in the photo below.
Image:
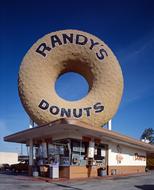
135	182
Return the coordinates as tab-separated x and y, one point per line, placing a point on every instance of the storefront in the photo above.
71	149
67	157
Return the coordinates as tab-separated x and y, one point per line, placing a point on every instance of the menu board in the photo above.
53	149
77	148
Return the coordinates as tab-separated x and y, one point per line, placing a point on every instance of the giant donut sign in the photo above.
64	51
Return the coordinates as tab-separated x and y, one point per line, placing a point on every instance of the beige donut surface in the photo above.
65	51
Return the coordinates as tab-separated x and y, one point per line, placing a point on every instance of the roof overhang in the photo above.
70	126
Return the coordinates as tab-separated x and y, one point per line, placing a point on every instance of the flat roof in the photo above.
69	126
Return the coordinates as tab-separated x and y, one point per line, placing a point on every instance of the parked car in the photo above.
4	167
20	167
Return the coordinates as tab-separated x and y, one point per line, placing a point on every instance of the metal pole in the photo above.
21	153
109	125
31	123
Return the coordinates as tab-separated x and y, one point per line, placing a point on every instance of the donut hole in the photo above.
71	86
78	65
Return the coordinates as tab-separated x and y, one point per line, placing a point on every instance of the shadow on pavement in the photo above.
145	187
67	186
13	173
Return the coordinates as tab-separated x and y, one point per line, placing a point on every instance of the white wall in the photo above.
8	158
127	154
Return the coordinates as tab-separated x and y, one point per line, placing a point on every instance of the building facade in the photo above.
72	149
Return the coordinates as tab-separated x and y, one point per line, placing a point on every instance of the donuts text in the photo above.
69	112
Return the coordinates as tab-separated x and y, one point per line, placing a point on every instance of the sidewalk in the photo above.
115	177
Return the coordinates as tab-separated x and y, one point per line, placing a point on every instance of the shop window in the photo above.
78	153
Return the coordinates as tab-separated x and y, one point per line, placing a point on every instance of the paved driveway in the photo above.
136	182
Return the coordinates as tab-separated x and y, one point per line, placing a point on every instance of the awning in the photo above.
70	126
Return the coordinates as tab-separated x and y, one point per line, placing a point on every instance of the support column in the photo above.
91	150
30	157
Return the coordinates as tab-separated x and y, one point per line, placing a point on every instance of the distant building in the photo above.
8	158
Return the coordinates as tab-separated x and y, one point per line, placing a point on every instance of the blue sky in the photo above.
126	26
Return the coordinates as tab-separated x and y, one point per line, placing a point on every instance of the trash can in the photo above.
101	172
53	172
35	174
35	171
113	172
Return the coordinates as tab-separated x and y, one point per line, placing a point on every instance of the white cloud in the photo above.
137	64
136	48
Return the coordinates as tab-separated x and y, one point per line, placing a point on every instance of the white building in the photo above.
8	158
